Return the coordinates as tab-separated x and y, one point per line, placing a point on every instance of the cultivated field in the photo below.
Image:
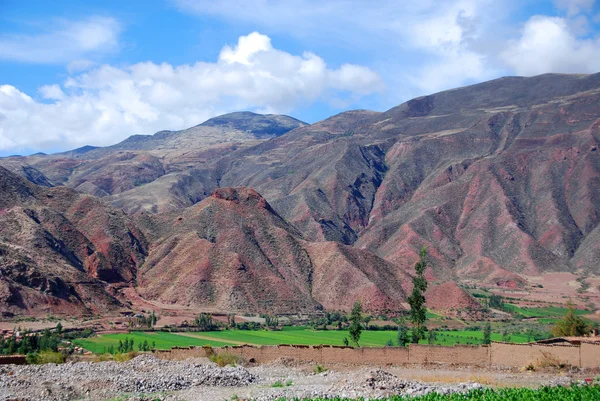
293	335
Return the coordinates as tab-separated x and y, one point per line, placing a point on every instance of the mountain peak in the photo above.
260	125
240	195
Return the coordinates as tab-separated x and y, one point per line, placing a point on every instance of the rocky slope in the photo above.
233	252
61	251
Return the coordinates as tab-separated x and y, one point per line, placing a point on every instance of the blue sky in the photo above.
95	72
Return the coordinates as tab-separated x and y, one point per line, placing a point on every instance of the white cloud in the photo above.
440	34
68	41
107	104
548	44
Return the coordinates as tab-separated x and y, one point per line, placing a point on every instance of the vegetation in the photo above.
225	358
143	321
319	369
402	333
571	324
587	392
288	335
159	340
46	357
416	300
204	322
355	328
487	334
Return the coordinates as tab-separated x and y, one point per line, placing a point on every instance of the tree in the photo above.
367	320
571	324
402	335
487	333
355	328
416	300
59	328
204	322
431	337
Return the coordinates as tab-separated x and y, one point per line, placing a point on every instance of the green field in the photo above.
263	337
547	312
100	344
559	393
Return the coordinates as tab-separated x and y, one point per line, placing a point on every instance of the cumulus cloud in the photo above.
438	33
64	42
106	104
548	44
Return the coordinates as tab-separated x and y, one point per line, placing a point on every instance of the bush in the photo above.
319	369
225	358
45	357
278	383
125	356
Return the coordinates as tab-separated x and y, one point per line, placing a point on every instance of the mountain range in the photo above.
499	180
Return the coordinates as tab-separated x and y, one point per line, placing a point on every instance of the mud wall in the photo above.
517	355
498	354
590	355
13	360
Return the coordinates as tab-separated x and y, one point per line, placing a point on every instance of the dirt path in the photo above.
203	337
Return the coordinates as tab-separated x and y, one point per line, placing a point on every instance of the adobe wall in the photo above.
13	360
590	355
500	354
518	355
469	355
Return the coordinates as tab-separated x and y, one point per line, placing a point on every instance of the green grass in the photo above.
101	343
304	336
575	393
334	337
547	312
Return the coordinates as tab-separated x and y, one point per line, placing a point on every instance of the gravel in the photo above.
143	374
149	378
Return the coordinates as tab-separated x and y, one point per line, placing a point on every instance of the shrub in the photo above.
225	358
319	368
278	383
125	356
45	357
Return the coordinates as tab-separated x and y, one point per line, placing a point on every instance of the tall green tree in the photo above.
416	300
402	334
571	324
487	333
355	328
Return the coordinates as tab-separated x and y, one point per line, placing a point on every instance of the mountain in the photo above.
62	251
233	252
69	253
499	180
142	159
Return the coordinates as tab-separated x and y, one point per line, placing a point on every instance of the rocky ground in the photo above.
148	378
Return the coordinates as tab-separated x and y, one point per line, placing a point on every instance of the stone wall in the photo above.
498	354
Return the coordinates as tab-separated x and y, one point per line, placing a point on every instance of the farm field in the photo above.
100	344
304	336
558	393
546	312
